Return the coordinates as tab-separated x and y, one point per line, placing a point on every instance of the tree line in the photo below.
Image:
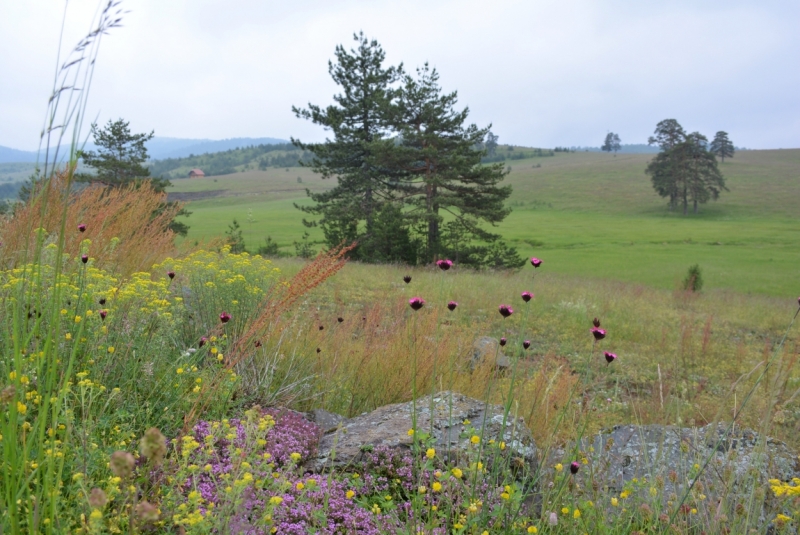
686	170
411	186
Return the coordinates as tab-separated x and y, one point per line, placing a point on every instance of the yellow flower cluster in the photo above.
790	489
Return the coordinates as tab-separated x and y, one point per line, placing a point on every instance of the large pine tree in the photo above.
358	121
721	146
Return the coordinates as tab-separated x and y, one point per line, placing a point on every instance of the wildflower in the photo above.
576	514
68	336
103	314
535	262
457	473
416	303
153	445
21	407
147	512
610	357
574	467
553	519
171	274
110	349
84	258
340	319
349	494
565	511
503	341
505	310
410	432
452	305
295	456
475	439
437	487
430	453
526	344
596	323
598	333
202	341
97	498
444	265
624	494
407	279
179	371
319	350
300	485
614	502
122	464
527	296
82	228
102	301
533	529
224	317
321	327
422	489
505	495
376	509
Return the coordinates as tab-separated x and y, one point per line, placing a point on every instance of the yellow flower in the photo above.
376	509
505	495
411	432
502	445
295	456
533	529
350	494
431	453
111	349
694	511
300	485
179	371
68	336
559	467
577	513
78	319
624	494
565	510
21	407
614	502
475	439
275	500
437	487
422	489
457	472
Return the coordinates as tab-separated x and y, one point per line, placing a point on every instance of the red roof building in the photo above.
196	173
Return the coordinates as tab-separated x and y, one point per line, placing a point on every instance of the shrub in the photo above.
694	279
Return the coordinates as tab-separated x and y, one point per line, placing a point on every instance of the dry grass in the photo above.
127	226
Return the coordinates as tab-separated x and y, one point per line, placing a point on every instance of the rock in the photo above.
389	426
669	457
327	421
487	348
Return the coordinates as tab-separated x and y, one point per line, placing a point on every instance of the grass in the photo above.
590	214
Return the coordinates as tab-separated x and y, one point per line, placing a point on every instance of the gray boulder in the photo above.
389	426
485	349
326	421
659	463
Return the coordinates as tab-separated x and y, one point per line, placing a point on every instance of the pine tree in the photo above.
436	168
721	146
668	134
358	120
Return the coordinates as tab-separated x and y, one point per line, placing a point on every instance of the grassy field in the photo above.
588	214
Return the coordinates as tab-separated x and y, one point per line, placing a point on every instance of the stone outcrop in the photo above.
669	459
485	349
388	426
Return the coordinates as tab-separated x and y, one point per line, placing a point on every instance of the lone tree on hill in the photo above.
491	144
687	173
118	162
403	158
721	146
612	143
359	120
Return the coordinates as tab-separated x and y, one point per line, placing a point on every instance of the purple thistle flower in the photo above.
610	357
407	279
574	467
598	334
527	296
452	305
102	301
503	341
416	303
224	317
535	262
84	258
103	314
526	344
505	310
444	265
171	274
596	323
82	227
202	342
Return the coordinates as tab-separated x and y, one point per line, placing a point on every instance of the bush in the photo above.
694	279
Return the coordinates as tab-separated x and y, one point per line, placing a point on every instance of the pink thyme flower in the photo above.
82	227
527	296
553	519
452	305
535	262
224	317
444	265
505	310
503	341
574	467
610	357
416	303
526	344
598	334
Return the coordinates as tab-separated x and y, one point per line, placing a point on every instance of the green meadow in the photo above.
587	214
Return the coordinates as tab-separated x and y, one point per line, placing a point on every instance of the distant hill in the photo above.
159	148
635	148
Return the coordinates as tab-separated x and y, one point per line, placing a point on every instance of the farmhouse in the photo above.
196	173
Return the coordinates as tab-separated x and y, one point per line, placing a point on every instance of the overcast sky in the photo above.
544	73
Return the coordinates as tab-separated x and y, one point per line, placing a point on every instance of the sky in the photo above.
543	73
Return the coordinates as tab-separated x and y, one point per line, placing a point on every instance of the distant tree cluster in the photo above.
612	143
410	183
686	170
227	162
